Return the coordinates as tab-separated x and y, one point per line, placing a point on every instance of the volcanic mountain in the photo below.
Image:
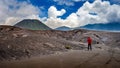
63	28
108	26
32	24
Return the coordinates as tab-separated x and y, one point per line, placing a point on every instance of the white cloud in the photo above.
72	2
27	9
67	2
12	11
53	21
64	2
104	13
53	12
11	20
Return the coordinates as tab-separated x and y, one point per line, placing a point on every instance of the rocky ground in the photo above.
58	49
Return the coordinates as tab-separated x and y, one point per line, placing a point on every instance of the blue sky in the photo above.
69	8
47	3
56	13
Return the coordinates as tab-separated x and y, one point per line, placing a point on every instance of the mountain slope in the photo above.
108	26
63	28
32	24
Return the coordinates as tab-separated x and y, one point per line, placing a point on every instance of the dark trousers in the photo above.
89	47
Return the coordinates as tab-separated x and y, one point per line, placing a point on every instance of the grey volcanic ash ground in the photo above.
58	49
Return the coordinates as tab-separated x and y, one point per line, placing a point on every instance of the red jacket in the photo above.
89	40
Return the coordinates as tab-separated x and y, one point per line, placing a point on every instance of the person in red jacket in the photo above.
89	40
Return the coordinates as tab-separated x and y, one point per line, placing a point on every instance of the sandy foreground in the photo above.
97	58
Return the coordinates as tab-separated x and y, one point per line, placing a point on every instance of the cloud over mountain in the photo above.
12	11
90	13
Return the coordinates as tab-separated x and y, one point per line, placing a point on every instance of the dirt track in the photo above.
97	58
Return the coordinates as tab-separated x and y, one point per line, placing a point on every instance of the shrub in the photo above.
67	47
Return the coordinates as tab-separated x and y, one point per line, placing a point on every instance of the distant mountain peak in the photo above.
32	24
63	28
113	26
